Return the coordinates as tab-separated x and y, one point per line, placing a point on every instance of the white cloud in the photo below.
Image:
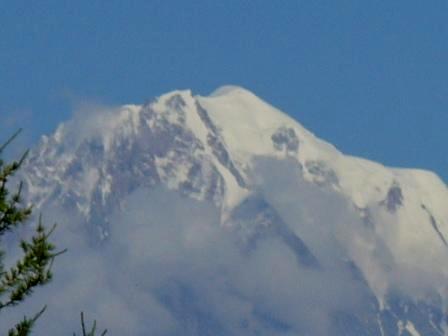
169	268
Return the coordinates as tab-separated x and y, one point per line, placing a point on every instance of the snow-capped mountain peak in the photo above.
207	148
225	131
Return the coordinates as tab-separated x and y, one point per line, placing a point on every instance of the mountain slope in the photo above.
269	178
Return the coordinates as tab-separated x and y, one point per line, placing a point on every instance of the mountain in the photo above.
337	245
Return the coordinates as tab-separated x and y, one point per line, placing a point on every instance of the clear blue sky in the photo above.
369	76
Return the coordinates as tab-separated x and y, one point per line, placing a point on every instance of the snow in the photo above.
194	122
86	187
380	323
246	125
411	329
246	122
105	187
225	90
233	192
125	121
408	326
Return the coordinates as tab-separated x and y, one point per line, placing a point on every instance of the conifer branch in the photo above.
23	328
11	139
34	267
92	331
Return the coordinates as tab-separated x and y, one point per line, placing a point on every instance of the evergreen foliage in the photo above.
92	331
33	269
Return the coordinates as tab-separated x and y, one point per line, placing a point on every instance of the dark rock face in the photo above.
176	102
265	222
323	175
194	185
217	144
223	156
394	198
285	138
435	226
426	317
203	114
131	162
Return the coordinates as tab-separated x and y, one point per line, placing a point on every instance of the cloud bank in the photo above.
169	268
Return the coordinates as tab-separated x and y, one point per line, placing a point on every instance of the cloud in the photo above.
169	268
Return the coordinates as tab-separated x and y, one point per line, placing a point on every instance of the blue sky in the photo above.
369	76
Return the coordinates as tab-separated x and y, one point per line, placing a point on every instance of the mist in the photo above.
169	267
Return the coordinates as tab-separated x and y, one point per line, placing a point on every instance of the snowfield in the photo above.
267	177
